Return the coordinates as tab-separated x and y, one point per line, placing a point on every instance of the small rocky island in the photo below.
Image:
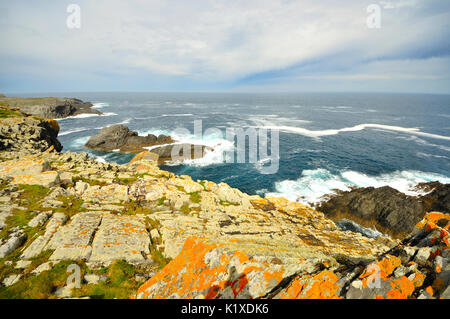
49	107
121	138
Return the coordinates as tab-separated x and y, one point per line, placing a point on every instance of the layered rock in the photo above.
28	134
49	107
387	209
119	137
417	268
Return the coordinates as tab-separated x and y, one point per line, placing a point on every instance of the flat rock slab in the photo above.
40	243
121	237
96	237
73	241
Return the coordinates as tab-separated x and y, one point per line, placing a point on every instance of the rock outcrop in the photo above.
417	268
49	107
18	133
387	209
119	137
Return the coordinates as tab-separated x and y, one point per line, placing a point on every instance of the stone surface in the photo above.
204	270
11	280
40	243
14	241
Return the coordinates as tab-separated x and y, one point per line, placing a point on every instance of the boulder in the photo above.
180	152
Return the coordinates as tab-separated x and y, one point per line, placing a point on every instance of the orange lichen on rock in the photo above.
402	288
323	286
210	271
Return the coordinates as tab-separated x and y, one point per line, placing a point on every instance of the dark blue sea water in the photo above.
324	143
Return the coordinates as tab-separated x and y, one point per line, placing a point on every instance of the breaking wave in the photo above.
312	185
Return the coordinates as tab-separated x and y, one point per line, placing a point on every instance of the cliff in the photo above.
49	107
138	231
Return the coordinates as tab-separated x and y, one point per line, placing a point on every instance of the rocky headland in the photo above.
138	231
49	107
387	209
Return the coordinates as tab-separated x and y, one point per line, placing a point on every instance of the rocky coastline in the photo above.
136	231
49	107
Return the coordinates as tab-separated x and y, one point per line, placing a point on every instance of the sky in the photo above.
225	46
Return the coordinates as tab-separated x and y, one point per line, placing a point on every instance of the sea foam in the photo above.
312	185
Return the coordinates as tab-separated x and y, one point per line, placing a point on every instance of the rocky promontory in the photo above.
387	209
138	231
121	138
49	107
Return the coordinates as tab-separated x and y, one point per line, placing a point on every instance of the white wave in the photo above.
431	155
99	105
216	142
314	184
79	142
86	115
423	142
349	225
360	127
73	131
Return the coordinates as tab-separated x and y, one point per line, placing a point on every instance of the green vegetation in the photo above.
8	113
195	197
161	201
227	203
203	184
135	207
40	286
71	205
120	283
91	182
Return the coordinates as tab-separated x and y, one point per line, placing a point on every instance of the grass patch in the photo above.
40	286
120	284
91	182
195	197
71	205
135	207
161	201
8	113
227	203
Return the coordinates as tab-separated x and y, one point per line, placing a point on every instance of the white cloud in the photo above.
212	40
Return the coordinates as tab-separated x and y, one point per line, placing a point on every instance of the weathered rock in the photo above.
209	271
94	279
384	207
179	152
120	137
121	237
40	243
14	241
73	241
22	264
39	220
29	134
11	280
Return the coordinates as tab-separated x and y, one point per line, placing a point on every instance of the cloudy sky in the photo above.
225	45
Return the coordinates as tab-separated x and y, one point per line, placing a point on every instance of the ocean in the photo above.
327	141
